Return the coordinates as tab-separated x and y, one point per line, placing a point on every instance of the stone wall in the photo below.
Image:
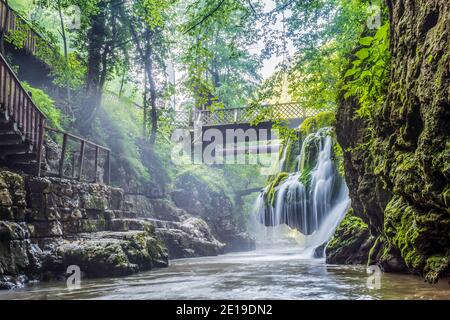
49	224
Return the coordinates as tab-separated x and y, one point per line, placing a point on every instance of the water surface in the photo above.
262	274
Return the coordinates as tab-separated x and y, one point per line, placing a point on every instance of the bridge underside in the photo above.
228	141
244	138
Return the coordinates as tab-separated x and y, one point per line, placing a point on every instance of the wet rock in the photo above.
351	242
190	238
216	208
113	253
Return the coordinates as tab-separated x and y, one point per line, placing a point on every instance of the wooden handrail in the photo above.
77	138
82	151
8	22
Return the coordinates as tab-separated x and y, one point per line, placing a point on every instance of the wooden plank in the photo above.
73	164
9	95
2	81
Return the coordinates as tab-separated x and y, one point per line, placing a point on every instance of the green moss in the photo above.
373	252
291	149
445	195
349	228
305	176
321	120
401	227
338	157
351	241
274	183
436	266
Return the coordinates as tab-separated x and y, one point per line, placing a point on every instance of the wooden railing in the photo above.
20	108
29	121
73	162
263	113
11	21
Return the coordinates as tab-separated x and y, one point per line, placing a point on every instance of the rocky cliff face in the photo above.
401	187
216	208
48	224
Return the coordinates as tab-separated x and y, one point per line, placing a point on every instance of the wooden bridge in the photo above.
258	119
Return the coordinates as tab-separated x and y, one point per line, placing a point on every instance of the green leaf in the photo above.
350	72
362	54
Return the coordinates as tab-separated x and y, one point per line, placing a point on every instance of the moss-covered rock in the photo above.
47	224
321	120
397	164
351	242
113	254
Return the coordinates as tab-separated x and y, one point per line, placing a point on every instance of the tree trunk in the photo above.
96	54
145	105
153	113
66	50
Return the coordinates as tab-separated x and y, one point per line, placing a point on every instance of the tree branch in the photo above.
211	13
252	7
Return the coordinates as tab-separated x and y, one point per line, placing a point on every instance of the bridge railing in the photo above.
261	113
264	113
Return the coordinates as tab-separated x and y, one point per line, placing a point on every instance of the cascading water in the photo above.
312	200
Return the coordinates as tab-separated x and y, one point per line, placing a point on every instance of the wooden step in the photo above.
29	167
15	149
11	127
10	139
20	158
8	127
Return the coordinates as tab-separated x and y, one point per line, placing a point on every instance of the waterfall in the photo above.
312	200
283	157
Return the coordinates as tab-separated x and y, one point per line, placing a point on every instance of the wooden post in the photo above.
96	164
108	168
73	164
80	162
40	144
63	156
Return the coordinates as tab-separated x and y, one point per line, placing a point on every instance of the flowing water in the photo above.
314	205
262	274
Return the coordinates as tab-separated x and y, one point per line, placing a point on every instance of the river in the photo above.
262	274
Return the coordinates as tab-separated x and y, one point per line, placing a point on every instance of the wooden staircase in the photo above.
21	124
